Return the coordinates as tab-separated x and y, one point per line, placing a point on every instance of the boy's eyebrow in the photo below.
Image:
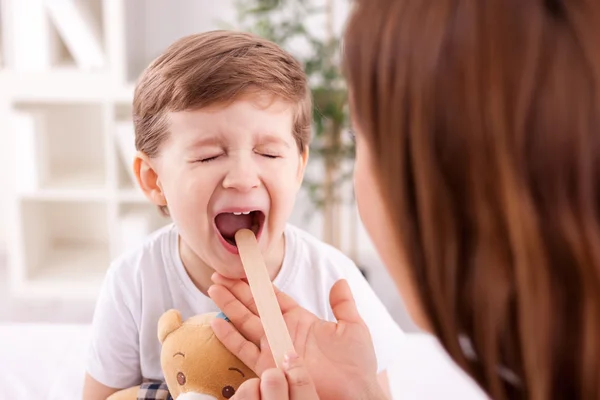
272	139
262	139
207	141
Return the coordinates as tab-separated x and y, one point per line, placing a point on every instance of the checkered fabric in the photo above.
154	391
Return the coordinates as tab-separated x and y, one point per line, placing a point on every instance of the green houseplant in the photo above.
286	22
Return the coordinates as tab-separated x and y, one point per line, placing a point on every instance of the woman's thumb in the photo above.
300	384
343	304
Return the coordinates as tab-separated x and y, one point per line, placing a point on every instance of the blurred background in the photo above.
68	203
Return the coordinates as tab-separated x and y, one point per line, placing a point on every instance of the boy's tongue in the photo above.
228	224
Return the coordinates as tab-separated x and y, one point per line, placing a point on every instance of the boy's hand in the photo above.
339	356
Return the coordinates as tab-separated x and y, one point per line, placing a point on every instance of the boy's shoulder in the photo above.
149	253
311	251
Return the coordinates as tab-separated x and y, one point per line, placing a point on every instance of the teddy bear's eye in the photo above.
181	378
228	392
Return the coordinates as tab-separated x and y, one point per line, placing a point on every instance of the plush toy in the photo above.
194	362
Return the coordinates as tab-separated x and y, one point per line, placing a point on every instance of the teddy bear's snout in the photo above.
195	396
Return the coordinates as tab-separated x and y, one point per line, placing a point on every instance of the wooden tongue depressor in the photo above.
264	295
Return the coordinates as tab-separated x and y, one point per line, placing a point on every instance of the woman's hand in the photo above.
294	383
340	357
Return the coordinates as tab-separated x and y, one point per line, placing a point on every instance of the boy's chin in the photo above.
232	274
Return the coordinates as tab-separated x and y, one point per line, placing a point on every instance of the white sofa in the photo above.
46	362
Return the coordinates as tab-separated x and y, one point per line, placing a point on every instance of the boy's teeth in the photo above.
237	213
246	213
240	213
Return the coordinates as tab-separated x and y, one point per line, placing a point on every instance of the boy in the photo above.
222	128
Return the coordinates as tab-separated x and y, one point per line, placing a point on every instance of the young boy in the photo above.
222	128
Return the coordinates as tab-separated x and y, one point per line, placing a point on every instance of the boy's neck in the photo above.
200	273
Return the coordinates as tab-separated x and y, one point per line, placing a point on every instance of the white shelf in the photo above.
58	85
64	84
76	204
70	271
61	146
66	250
131	196
66	195
87	178
124	142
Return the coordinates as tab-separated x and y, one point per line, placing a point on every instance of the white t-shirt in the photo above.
144	283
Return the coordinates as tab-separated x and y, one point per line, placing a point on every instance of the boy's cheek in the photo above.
282	204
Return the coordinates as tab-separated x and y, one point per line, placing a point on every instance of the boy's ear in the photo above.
302	165
148	180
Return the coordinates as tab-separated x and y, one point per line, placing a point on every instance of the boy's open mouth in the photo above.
229	223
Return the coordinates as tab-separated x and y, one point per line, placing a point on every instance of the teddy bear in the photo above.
195	364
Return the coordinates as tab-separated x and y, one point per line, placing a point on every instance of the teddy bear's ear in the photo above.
168	322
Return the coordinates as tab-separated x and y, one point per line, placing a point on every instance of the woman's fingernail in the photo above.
289	360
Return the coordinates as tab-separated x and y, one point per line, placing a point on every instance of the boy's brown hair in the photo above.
216	67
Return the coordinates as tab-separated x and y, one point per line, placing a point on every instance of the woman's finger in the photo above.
343	304
273	385
241	290
249	390
246	322
239	346
300	384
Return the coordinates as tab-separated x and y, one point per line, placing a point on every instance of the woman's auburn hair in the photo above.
484	121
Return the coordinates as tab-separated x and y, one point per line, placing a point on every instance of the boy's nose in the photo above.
242	176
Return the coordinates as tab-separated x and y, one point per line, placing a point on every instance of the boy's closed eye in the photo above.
271	150
272	156
266	154
207	157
